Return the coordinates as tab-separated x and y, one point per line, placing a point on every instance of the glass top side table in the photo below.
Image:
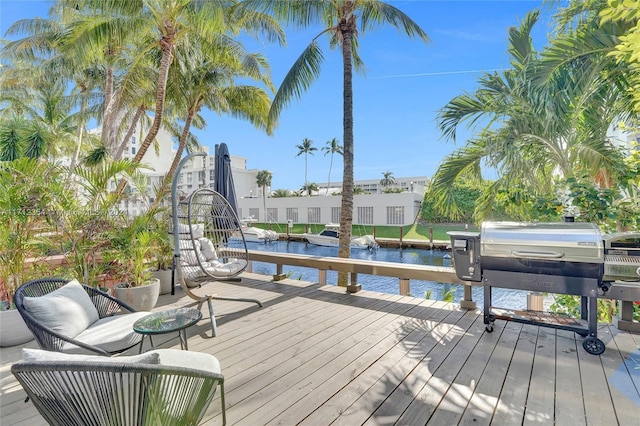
168	321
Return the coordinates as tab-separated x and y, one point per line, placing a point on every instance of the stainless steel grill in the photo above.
569	257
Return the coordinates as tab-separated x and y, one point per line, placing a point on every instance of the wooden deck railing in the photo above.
404	272
626	293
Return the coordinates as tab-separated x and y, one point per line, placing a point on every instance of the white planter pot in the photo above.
142	298
13	330
164	275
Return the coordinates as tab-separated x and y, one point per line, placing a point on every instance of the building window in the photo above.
254	213
133	140
365	215
272	214
395	215
212	175
313	215
189	177
335	214
133	150
181	179
292	214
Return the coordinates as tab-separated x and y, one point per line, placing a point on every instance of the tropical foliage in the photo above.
542	125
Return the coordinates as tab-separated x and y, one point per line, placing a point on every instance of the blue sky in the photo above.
395	103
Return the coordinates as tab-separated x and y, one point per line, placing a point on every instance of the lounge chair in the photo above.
66	316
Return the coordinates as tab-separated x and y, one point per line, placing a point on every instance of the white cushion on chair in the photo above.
111	334
208	249
67	310
38	355
188	359
185	233
218	269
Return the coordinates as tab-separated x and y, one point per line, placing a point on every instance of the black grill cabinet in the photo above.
564	257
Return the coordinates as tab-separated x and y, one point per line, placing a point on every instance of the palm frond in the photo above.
302	74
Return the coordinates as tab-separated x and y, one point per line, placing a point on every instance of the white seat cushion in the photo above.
218	269
111	334
67	310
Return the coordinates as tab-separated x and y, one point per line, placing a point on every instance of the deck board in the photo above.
316	355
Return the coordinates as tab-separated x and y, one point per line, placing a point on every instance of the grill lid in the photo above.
555	242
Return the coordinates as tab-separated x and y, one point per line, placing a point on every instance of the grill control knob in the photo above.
638	271
472	270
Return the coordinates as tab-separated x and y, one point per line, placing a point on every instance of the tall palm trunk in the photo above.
329	178
76	152
127	137
167	43
164	188
109	108
346	210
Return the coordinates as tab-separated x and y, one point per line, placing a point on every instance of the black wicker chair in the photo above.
99	393
51	340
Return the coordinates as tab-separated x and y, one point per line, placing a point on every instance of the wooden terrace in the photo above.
316	355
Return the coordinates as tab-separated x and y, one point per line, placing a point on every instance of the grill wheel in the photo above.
593	345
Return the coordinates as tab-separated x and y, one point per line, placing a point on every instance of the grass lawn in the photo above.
414	232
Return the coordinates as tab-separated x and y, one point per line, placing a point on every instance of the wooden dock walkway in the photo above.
314	355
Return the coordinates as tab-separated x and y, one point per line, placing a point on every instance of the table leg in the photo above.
183	339
141	343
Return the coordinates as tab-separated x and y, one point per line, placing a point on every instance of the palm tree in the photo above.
307	149
339	20
37	119
126	29
331	147
280	193
535	134
263	180
388	179
309	188
205	77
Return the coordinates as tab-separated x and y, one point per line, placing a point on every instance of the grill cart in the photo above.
563	257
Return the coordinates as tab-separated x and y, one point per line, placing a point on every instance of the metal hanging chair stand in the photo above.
208	244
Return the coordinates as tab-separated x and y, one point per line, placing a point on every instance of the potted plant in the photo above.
86	226
162	252
131	255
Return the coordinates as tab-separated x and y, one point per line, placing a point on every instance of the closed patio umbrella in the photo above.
223	177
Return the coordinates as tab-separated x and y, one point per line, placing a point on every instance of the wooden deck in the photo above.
314	355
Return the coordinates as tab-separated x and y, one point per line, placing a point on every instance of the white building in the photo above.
374	208
373	186
199	172
397	209
157	163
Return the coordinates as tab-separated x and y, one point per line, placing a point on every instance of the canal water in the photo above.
505	298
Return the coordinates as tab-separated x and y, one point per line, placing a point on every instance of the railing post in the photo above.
405	287
279	275
467	300
322	276
401	229
353	286
249	266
